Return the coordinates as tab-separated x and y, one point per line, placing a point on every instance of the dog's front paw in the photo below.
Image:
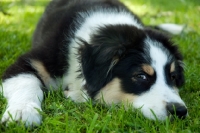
27	113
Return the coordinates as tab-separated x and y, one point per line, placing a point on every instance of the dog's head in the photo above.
123	64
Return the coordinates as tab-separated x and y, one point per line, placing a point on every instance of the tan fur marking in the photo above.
172	67
112	93
41	70
148	69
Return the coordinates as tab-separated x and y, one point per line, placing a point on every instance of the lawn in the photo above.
60	115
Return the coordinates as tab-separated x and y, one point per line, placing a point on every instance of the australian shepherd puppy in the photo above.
99	50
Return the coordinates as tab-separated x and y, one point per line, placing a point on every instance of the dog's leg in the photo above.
74	83
22	88
24	96
76	93
75	86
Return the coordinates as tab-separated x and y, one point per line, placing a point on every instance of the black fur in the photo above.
110	43
113	51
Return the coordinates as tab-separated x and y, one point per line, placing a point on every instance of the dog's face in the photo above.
152	77
138	67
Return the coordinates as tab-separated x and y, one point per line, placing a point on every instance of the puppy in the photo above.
99	50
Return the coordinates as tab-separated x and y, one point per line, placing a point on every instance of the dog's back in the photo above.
60	15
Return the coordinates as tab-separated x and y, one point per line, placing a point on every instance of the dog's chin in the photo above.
161	115
174	117
154	115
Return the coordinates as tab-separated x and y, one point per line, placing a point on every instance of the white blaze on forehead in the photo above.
159	57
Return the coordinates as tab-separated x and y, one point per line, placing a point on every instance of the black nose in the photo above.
177	109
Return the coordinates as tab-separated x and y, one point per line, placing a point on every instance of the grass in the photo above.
61	115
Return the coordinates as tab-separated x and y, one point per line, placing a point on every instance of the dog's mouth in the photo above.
175	117
176	110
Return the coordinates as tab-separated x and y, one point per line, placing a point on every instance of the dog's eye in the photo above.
173	76
142	76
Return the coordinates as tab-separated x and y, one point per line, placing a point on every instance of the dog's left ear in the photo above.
97	62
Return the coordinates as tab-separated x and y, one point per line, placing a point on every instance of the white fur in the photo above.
93	20
160	93
24	96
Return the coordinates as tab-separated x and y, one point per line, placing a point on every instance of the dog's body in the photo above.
95	49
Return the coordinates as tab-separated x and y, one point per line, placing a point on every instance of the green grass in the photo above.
61	115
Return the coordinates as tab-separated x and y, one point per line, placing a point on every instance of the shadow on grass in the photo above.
17	23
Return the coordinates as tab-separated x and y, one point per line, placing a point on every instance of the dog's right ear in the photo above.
109	45
97	62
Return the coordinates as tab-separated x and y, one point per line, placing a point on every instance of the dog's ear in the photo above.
108	46
97	62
